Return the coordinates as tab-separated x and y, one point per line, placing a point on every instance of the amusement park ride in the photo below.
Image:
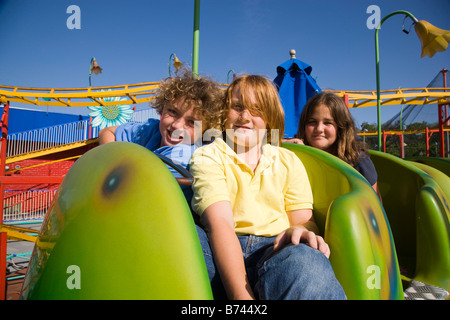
102	208
418	96
356	199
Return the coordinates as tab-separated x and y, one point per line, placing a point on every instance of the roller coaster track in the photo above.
144	92
80	97
417	96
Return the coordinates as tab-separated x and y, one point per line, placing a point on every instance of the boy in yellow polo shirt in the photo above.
256	209
255	203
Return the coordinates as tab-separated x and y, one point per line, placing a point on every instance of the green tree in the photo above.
414	143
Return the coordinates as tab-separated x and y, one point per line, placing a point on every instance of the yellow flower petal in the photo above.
432	38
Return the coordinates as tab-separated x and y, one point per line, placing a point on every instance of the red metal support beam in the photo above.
346	99
441	131
30	179
90	128
3	235
3	250
4	124
444	116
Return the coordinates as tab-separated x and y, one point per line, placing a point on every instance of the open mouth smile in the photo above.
177	138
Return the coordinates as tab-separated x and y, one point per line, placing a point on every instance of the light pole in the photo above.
432	39
195	48
377	63
94	68
228	75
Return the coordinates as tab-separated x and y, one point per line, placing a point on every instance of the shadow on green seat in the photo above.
441	164
354	224
417	208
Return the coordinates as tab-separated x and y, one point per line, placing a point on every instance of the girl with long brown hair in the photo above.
326	124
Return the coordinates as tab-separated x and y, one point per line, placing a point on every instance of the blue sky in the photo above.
132	41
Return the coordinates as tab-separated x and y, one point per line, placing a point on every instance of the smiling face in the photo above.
244	128
320	128
177	124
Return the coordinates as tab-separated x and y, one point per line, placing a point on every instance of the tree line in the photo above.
414	138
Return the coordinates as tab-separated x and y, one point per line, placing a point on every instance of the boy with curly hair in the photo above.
187	106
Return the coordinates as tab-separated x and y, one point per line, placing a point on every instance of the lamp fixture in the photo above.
94	68
432	38
176	63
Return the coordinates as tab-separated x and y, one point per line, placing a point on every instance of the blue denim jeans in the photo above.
296	272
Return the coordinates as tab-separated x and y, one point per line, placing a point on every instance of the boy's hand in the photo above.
297	234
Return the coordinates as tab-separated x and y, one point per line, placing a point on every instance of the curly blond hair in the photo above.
204	93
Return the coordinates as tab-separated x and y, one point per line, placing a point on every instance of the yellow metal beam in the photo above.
398	132
17	233
44	164
419	96
43	152
70	97
144	92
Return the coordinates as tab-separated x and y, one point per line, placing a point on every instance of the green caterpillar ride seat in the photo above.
119	228
442	164
415	198
353	222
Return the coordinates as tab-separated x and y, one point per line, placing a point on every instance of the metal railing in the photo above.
31	205
26	205
53	136
48	137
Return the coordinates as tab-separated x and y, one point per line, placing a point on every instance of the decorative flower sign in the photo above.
432	38
111	115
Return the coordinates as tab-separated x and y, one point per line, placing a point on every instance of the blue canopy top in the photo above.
295	87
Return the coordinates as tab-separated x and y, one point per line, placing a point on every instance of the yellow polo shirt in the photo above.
260	198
